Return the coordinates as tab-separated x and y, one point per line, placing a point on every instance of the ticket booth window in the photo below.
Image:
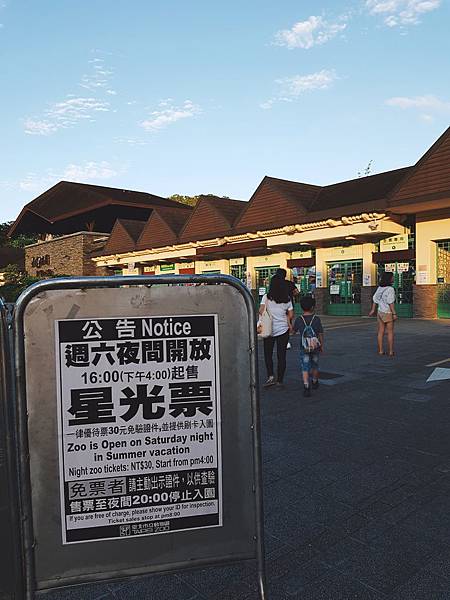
344	287
263	277
443	279
239	271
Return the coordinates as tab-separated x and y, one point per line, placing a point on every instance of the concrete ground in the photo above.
356	480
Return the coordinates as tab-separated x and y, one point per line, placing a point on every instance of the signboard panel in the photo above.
398	242
237	261
205	332
139	426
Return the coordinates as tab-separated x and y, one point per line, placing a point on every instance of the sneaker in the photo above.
280	385
306	391
315	384
270	381
288	347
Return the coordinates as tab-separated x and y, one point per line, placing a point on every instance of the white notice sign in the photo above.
139	426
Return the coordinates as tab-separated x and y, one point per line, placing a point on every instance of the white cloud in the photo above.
98	77
65	114
295	86
427	103
37	127
89	171
130	141
168	113
76	108
35	183
291	88
312	32
401	12
267	105
86	172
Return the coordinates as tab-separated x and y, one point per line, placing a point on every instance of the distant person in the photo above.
309	326
279	306
291	287
384	299
291	290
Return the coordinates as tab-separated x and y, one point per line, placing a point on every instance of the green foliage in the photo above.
18	241
189	200
192	200
16	281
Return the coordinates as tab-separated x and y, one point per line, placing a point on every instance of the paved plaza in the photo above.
356	480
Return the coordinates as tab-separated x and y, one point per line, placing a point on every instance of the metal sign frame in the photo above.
9	521
24	475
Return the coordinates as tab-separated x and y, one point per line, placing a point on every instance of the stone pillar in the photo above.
322	298
367	292
425	301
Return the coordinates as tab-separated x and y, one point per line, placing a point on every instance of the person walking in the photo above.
279	306
309	326
291	290
384	299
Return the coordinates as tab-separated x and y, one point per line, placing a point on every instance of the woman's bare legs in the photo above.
380	336
390	337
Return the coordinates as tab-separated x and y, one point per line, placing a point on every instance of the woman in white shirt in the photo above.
279	306
384	298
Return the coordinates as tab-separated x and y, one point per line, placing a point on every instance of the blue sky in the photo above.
207	97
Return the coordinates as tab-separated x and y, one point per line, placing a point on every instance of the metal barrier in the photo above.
141	450
10	576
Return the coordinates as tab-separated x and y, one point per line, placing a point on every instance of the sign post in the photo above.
10	576
143	428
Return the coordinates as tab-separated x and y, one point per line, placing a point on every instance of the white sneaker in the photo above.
288	347
270	381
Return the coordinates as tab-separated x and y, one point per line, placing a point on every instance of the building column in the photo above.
321	293
425	301
369	284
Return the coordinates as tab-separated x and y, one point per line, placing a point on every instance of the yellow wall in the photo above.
271	260
212	265
356	252
428	232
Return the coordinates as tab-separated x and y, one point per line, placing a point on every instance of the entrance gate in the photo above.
344	286
443	279
263	277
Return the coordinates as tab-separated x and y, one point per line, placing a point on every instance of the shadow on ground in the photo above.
356	481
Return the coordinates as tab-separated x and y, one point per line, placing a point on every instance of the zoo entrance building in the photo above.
335	239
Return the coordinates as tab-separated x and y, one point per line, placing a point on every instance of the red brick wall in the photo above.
68	255
425	301
367	293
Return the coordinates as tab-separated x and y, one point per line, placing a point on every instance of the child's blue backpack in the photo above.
310	341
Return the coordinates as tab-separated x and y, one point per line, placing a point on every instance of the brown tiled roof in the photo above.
123	237
358	191
276	202
175	217
163	227
429	177
212	217
67	199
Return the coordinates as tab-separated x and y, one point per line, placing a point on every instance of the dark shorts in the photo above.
309	361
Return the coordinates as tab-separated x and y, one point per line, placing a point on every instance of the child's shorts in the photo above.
309	361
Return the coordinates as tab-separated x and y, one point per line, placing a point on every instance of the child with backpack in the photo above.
309	326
